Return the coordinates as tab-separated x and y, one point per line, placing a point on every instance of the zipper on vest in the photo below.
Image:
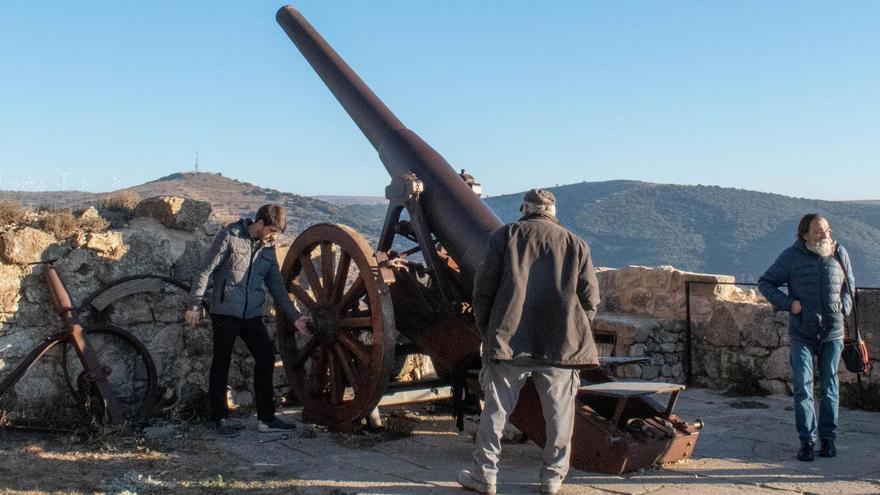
247	283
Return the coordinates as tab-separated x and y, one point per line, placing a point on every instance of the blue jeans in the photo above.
827	358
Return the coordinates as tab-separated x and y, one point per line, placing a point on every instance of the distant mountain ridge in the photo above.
697	228
703	228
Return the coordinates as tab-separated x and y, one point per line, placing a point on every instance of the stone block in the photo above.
632	371
106	244
35	315
657	292
721	330
637	350
78	270
29	245
10	287
649	372
175	212
170	308
146	253
132	310
776	365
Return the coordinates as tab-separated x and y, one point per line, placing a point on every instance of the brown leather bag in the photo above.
855	352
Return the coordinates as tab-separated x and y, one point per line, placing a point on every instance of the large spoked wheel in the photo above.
340	369
130	371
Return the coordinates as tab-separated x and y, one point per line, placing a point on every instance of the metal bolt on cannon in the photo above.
366	301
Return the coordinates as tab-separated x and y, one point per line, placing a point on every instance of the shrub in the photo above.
11	213
860	395
123	201
61	223
94	224
743	381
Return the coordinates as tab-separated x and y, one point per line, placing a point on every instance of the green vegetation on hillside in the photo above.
703	228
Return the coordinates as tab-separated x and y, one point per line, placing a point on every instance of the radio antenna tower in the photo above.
197	162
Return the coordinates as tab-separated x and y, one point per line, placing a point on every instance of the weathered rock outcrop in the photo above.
174	212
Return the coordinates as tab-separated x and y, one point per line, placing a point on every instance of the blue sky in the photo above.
773	96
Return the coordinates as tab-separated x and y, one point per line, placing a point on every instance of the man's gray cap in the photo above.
540	197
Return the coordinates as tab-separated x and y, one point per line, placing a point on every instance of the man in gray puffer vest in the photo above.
535	296
821	285
239	263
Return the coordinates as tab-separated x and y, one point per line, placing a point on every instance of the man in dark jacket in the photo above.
821	285
240	262
535	296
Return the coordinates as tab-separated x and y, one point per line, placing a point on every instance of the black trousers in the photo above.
253	332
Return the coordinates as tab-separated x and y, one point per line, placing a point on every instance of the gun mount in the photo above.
364	300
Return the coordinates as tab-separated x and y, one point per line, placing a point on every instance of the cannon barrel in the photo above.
457	216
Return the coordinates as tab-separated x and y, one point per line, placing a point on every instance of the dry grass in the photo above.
11	213
862	395
61	223
64	224
191	464
93	224
122	201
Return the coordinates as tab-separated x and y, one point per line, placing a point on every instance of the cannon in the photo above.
414	290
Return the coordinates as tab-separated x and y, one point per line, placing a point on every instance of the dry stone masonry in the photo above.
644	311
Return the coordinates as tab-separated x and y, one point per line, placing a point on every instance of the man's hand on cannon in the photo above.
796	307
302	323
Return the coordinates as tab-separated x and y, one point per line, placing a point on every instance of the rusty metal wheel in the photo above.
340	369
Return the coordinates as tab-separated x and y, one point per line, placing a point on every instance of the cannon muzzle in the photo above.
459	219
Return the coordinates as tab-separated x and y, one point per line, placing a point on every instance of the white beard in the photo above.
823	248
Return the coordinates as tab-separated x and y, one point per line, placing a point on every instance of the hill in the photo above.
703	228
698	228
230	199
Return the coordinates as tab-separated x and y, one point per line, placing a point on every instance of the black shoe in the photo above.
805	453
227	428
276	424
827	449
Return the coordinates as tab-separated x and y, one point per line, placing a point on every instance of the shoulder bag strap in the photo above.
854	292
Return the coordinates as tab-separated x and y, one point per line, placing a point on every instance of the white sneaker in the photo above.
466	479
550	488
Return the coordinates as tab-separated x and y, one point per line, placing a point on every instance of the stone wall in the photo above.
167	239
733	328
662	341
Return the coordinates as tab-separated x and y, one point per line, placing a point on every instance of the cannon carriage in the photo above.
365	300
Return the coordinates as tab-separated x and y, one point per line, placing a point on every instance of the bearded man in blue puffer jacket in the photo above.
821	286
